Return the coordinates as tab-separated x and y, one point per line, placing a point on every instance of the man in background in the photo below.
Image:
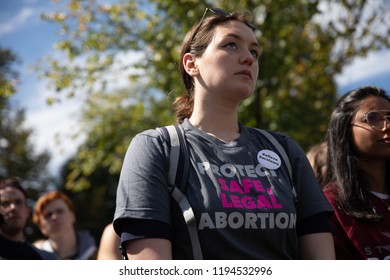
15	213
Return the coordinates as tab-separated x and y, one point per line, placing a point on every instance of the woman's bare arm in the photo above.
317	246
149	249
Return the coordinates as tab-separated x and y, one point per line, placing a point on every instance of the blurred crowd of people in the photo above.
54	215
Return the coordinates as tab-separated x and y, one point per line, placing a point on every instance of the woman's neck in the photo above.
220	130
65	245
216	119
376	175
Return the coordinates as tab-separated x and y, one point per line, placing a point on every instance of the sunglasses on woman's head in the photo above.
216	12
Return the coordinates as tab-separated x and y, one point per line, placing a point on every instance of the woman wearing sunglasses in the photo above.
359	171
243	210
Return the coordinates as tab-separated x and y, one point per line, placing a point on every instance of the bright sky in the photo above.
31	38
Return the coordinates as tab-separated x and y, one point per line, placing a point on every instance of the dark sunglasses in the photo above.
216	12
376	119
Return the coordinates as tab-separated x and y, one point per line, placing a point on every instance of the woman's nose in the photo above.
247	57
386	124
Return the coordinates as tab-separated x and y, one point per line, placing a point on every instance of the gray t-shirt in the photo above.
243	209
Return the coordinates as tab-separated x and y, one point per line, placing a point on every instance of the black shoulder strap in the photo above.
177	178
284	155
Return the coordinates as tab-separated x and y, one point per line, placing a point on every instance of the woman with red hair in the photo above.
54	215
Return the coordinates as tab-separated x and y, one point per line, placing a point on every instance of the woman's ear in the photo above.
190	65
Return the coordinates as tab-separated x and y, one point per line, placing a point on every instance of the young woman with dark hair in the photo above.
358	169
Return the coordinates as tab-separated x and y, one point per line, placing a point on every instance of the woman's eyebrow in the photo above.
236	36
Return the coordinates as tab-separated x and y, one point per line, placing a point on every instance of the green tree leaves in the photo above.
18	155
126	52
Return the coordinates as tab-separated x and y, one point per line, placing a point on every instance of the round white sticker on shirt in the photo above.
269	159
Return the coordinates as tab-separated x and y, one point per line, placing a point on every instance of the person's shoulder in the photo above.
109	231
331	191
109	234
39	243
85	235
151	132
109	244
45	251
87	245
331	188
108	228
46	255
148	139
15	250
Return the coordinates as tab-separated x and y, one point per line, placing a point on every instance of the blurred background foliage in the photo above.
121	58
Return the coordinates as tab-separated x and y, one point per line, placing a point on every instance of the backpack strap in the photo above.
178	172
285	157
177	180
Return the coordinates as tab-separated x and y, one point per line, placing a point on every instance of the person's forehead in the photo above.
55	204
374	103
11	193
234	25
236	28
